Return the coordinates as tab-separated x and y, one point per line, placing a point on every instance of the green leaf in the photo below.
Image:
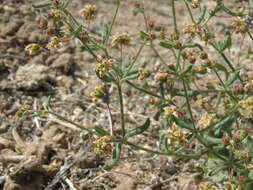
182	123
133	74
144	35
232	78
212	140
217	170
105	78
91	46
193	45
115	157
105	33
251	175
224	125
138	130
78	29
42	4
221	67
101	131
126	64
66	4
202	14
166	45
163	144
136	11
186	70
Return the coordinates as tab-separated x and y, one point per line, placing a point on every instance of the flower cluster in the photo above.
103	145
89	12
104	66
172	110
32	49
121	40
162	77
239	25
177	136
99	93
54	43
206	120
143	73
246	107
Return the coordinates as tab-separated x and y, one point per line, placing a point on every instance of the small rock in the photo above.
12	28
63	63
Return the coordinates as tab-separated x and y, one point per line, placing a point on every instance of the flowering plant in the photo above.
214	115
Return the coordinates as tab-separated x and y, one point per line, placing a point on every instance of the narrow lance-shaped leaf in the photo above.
232	78
105	34
138	130
166	45
202	14
101	131
182	123
211	140
42	4
163	144
126	64
115	157
224	124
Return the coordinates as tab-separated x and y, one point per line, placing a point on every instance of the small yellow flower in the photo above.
246	107
89	12
32	49
176	136
104	66
206	120
54	43
103	145
207	186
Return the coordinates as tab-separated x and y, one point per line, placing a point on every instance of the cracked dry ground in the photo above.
47	153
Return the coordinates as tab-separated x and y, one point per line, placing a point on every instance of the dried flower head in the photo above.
121	40
32	49
144	73
206	120
54	43
89	12
239	25
193	29
103	145
172	110
162	77
177	136
100	92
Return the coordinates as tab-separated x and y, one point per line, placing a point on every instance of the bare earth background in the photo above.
46	153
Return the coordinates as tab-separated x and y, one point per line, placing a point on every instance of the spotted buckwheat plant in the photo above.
200	93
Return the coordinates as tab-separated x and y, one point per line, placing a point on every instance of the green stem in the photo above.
226	60
122	116
195	156
69	121
135	58
144	90
224	86
113	20
250	35
189	10
188	103
174	16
